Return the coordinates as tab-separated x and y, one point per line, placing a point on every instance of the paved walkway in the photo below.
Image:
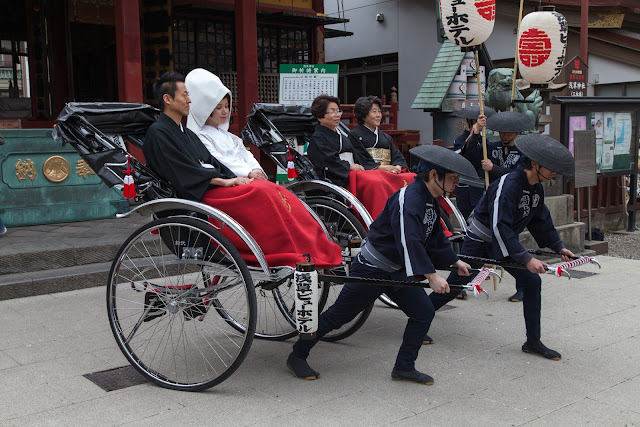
48	342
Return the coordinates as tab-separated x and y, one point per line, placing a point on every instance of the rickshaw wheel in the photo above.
165	283
342	226
276	317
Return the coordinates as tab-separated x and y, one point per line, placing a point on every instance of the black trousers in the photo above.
354	298
528	282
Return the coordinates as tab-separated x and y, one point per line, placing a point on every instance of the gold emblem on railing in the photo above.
83	169
285	202
56	169
25	170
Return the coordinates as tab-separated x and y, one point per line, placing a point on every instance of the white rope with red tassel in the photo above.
291	170
129	189
480	277
558	269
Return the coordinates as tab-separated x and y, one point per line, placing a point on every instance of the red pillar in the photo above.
318	34
128	50
584	31
246	58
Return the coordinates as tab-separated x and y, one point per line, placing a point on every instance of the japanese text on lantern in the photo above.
457	23
535	47
304	312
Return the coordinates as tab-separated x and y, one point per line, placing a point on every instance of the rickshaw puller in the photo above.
405	241
511	204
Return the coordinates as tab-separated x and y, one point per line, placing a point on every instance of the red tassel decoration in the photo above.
129	189
291	170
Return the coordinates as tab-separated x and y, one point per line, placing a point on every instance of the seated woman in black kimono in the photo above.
368	111
331	153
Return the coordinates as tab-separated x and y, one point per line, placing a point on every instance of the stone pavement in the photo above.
48	342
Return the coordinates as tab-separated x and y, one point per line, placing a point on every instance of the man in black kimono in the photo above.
174	152
503	155
469	145
511	204
405	241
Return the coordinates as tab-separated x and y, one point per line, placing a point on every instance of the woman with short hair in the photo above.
332	153
368	112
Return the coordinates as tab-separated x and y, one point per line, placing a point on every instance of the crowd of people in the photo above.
406	240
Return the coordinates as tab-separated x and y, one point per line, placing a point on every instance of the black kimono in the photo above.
177	155
324	152
370	139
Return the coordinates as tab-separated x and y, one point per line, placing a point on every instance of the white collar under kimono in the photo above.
229	150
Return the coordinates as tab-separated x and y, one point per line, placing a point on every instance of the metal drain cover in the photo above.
117	378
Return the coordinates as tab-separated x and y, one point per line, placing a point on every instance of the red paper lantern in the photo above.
542	43
468	23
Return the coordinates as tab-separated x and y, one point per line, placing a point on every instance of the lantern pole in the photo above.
484	136
515	59
481	105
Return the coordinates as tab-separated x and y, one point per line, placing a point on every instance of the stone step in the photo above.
52	246
56	258
571	234
42	259
40	282
561	209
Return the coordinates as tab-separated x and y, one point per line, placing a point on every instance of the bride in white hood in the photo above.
209	116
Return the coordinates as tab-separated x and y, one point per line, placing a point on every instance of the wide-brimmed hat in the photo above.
473	112
445	159
509	121
547	152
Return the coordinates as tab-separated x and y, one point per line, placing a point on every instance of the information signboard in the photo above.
585	158
301	84
576	77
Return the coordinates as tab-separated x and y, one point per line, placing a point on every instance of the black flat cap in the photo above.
445	158
473	112
509	121
547	152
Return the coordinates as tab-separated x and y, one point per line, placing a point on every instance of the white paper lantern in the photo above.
542	43
468	23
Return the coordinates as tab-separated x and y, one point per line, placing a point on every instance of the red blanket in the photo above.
374	187
278	222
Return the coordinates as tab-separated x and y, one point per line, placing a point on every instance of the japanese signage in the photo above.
576	77
55	169
306	301
468	23
543	40
301	84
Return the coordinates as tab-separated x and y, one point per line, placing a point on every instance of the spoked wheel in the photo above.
275	311
276	317
343	226
172	288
